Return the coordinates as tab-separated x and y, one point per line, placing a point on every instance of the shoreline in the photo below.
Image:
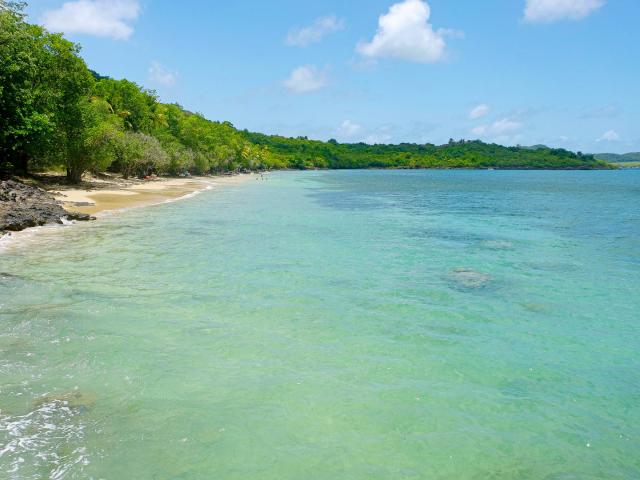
115	197
107	197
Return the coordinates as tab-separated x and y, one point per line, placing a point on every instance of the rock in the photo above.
75	399
469	279
23	206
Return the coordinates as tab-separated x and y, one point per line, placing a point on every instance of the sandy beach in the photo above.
109	195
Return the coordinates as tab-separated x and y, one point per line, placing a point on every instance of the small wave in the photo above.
189	195
12	239
48	437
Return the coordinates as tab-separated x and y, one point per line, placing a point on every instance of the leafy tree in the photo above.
87	138
25	94
132	103
139	154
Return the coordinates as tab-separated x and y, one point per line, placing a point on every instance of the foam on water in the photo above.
190	195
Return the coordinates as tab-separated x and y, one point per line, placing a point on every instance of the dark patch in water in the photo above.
76	400
497	244
450	235
466	279
6	277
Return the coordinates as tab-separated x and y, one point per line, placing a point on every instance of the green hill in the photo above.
304	153
618	158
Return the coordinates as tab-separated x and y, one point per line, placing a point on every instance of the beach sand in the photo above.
114	196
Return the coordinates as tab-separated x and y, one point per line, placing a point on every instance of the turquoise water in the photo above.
332	325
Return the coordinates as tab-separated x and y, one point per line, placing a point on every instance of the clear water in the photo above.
333	325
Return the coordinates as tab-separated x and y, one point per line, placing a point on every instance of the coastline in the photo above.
99	198
120	196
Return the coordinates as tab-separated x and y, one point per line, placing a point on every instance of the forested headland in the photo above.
56	113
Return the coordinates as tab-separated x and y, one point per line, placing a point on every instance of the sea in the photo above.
332	325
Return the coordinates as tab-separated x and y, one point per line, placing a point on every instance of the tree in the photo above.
139	154
132	103
25	96
87	137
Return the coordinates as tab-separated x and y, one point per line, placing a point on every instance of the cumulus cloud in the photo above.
609	136
349	129
504	126
405	33
301	37
307	78
546	11
478	111
160	75
102	18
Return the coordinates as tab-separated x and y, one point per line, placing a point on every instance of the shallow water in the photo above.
332	325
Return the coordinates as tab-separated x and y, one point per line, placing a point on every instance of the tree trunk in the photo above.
74	175
22	162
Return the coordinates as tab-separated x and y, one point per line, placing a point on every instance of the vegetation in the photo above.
55	112
304	153
618	158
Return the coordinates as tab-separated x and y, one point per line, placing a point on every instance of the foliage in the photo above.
304	153
617	158
87	139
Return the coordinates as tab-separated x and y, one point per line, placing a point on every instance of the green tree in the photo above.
135	105
26	96
139	154
87	138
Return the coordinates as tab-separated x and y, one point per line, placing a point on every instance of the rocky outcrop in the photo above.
23	206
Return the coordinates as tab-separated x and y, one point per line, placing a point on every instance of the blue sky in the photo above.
559	72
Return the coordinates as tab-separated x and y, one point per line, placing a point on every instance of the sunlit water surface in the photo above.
332	325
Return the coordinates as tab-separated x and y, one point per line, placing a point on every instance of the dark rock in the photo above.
23	206
467	279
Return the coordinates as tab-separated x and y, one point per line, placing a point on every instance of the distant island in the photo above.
57	114
625	160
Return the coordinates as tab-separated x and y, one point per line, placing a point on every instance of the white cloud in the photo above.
102	18
307	78
349	129
504	126
609	136
478	111
405	33
546	11
479	131
352	132
160	75
302	37
378	138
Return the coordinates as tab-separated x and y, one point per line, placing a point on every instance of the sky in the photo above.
564	73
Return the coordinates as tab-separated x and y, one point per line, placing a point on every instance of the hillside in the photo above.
618	158
305	153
